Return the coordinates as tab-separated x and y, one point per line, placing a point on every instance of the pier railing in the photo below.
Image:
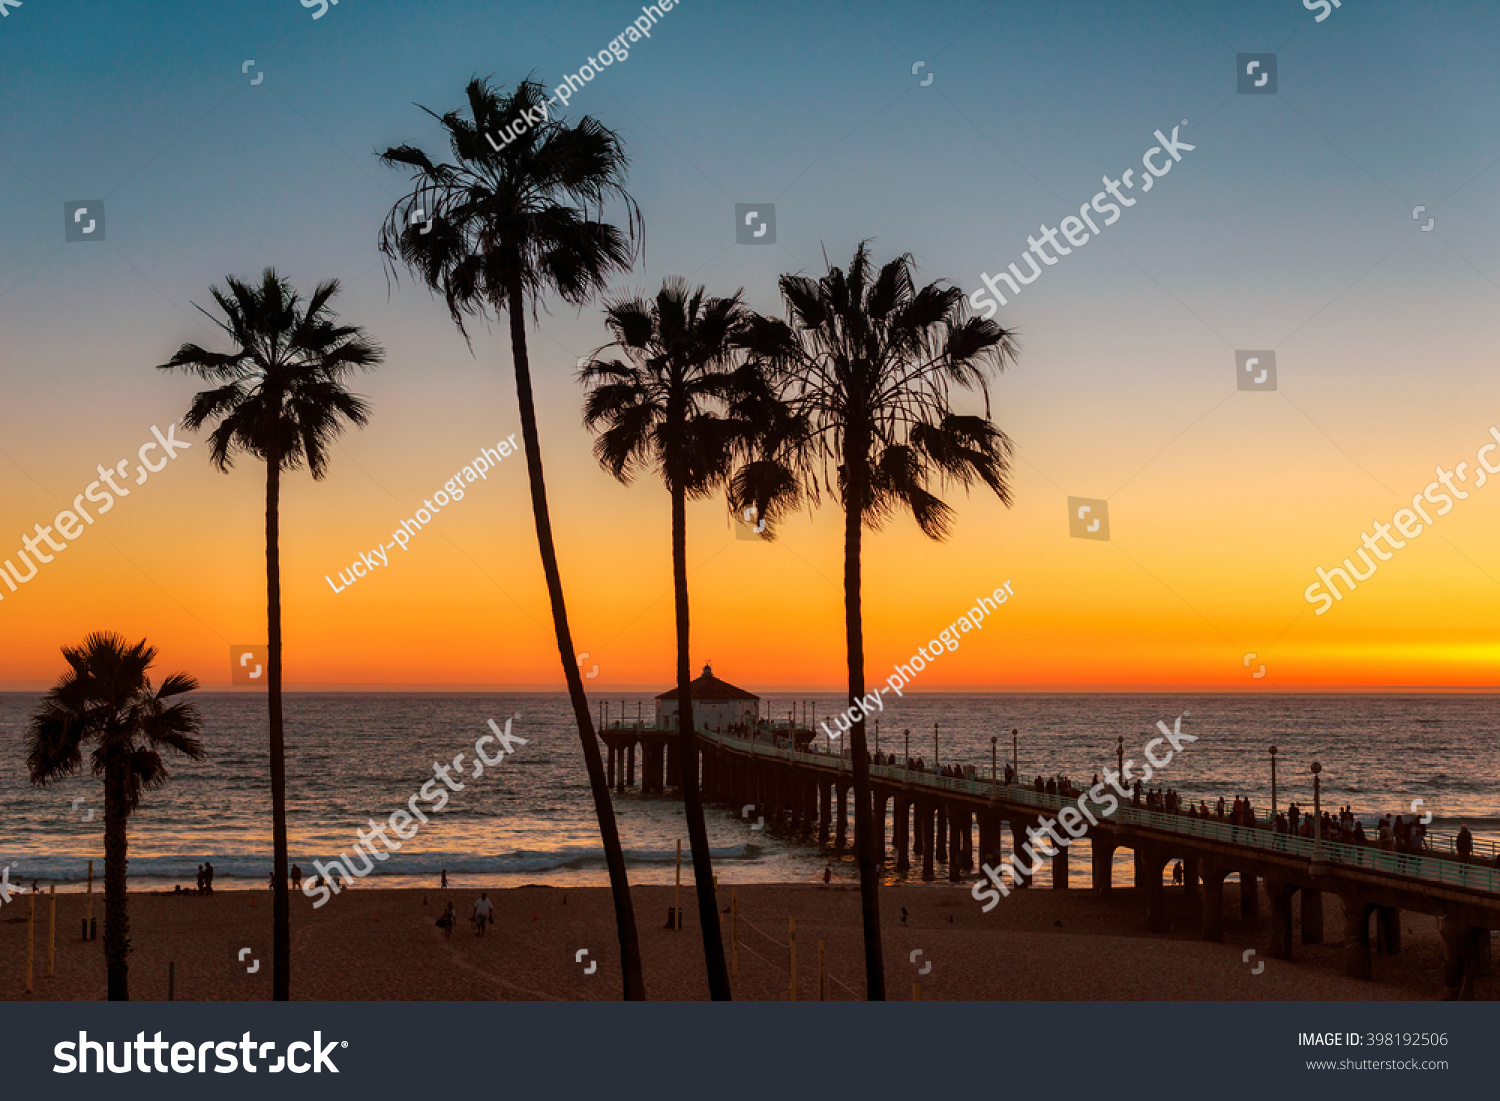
1434	864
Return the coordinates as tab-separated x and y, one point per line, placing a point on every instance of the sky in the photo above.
221	139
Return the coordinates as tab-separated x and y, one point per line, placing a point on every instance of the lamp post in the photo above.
877	739
1015	761
1120	755
935	757
994	758
906	763
1317	859
1273	785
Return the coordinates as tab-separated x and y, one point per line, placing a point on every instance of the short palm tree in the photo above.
106	698
280	397
670	407
494	233
866	370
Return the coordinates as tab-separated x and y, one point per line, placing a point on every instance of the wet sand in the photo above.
372	944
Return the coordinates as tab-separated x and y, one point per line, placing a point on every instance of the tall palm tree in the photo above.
279	396
495	232
670	406
106	697
867	369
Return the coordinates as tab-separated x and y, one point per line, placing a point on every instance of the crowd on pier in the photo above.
1398	833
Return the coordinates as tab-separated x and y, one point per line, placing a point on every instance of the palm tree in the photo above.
499	229
866	370
105	696
280	398
665	411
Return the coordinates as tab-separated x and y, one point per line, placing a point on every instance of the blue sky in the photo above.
812	106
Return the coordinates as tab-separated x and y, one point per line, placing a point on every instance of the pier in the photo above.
932	819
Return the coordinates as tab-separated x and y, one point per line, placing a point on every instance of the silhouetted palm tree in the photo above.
494	233
670	407
106	697
280	397
866	370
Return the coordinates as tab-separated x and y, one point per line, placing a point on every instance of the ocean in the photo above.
353	757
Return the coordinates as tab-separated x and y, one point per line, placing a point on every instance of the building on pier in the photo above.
717	704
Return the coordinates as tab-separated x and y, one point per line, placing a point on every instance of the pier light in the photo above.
1015	760
1317	858
994	758
1273	786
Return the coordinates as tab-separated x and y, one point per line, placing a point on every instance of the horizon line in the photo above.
339	688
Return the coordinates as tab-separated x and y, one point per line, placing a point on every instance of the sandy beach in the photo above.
371	944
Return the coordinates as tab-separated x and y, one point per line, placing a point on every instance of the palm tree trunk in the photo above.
281	932
116	855
687	750
867	845
614	856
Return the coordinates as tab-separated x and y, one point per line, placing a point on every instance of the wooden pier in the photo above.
958	822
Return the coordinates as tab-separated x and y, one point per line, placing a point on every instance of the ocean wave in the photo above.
61	868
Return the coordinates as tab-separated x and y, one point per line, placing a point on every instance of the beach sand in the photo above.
368	943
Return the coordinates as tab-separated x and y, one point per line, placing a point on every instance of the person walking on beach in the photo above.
445	879
483	914
447	921
199	887
903	915
296	875
1464	843
208	878
827	874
